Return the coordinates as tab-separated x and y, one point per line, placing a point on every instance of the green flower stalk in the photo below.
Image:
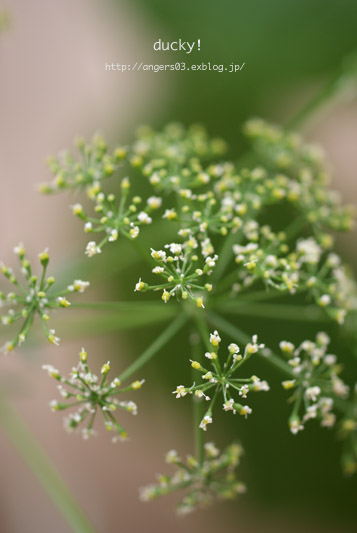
36	297
214	479
91	393
219	379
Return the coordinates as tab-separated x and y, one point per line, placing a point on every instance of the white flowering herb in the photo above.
89	393
219	379
35	297
214	246
202	483
316	382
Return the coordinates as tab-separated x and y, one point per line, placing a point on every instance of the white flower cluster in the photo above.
88	393
36	297
213	478
177	264
114	218
220	379
315	382
306	268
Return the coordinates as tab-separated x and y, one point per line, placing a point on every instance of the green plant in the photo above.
218	256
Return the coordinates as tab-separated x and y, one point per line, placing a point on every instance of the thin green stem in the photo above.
225	255
196	346
340	80
152	306
41	466
302	313
156	346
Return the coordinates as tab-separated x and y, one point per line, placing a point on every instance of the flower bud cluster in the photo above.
203	482
35	297
114	218
94	164
315	382
297	173
89	393
172	159
307	267
185	277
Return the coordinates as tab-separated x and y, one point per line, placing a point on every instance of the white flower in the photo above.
311	412
63	302
154	202
144	218
52	337
139	286
134	231
211	261
180	391
130	406
92	249
170	214
261	385
205	420
295	426
175	248
286	346
271	261
159	255
339	387
158	270
52	371
211	355
78	285
19	249
330	359
229	405
245	411
54	405
214	338
253	347
309	250
201	394
77	209
312	393
244	391
113	235
88	226
328	420
211	449
233	348
172	456
324	300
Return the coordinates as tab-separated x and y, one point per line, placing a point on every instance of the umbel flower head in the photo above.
219	379
114	218
214	478
177	265
315	382
92	167
90	393
36	296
